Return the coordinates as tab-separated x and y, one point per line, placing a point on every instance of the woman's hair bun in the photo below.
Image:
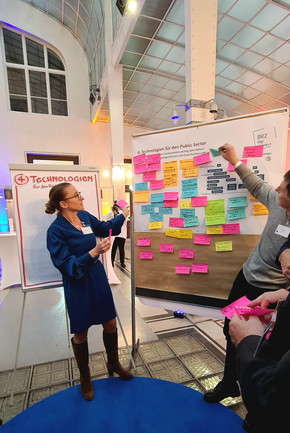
49	208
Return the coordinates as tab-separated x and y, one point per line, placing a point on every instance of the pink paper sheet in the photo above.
198	201
253	151
175	222
166	248
240	307
146	255
201	159
201	239
185	253
139	159
143	242
179	269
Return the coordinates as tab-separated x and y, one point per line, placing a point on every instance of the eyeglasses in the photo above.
76	195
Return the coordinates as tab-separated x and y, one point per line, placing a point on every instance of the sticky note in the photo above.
252	198
153	225
139	159
175	222
170	196
187	213
253	151
190	172
215	152
224	246
140	168
201	239
184	204
171	233
165	210
185	253
179	269
147	208
235	214
214	230
141	196
198	201
153	159
155	198
231	167
121	203
166	248
149	176
186	163
156	184
230	229
199	268
144	242
158	216
237	202
190	221
146	255
171	203
259	209
170	173
184	234
153	167
229	310
189	188
214	212
201	159
141	186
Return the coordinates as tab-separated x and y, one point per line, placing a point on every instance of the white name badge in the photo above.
282	231
87	230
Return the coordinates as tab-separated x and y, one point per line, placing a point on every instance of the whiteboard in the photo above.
214	181
31	184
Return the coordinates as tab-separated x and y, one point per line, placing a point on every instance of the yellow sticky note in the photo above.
184	204
141	196
252	198
184	234
170	173
190	172
186	163
155	225
172	233
259	209
217	230
224	246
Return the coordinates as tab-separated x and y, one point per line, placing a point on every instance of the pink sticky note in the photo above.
121	203
229	310
231	167
182	269
149	176
110	234
146	255
175	222
198	201
140	168
170	196
166	248
144	242
185	253
153	159
154	167
199	268
201	239
253	151
201	159
230	229
139	159
170	203
257	311
156	184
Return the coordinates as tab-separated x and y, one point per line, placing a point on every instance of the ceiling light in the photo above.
105	173
175	116
132	6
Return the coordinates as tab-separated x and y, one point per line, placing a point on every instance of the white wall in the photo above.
29	132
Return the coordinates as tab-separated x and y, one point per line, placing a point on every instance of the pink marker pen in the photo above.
110	234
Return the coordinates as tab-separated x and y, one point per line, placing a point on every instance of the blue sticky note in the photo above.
215	152
158	204
141	186
190	221
147	208
155	198
187	213
235	214
238	201
156	217
189	188
165	210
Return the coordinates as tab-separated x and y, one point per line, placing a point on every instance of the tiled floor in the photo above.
188	351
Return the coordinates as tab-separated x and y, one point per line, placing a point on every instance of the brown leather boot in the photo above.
113	364
81	353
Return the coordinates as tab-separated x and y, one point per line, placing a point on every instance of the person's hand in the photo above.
241	327
284	259
267	298
227	151
126	211
102	247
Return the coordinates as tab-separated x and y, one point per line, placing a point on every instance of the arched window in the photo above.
35	75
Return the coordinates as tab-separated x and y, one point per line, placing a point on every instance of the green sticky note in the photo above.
215	152
214	212
235	214
237	202
224	246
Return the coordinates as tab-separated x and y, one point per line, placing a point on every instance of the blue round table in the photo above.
140	405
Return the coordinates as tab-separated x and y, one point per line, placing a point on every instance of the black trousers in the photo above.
240	288
118	243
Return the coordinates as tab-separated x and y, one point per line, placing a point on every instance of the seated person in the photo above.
263	364
283	258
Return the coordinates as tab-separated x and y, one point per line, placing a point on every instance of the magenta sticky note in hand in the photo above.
110	234
253	311
121	203
229	310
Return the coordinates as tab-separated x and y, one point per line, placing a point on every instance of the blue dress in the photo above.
87	292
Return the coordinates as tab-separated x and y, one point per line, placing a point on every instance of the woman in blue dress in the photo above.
71	241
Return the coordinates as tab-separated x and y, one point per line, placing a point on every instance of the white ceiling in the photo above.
252	61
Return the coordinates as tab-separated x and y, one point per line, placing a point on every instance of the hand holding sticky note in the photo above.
240	307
